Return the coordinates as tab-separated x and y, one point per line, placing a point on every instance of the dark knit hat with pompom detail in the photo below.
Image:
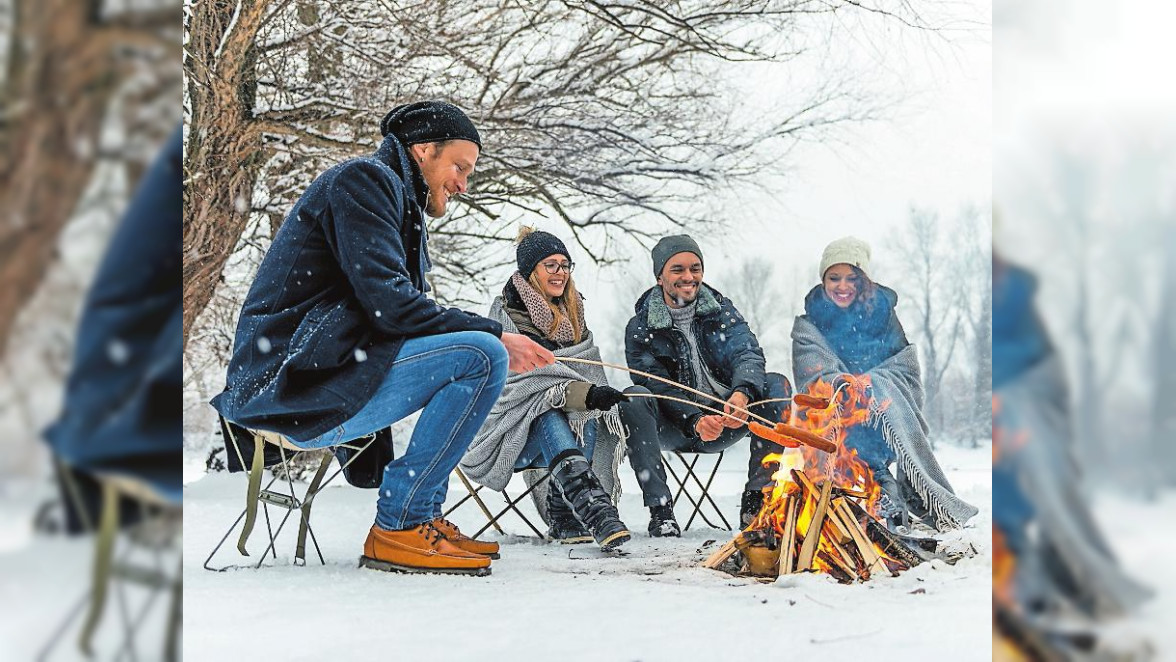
534	246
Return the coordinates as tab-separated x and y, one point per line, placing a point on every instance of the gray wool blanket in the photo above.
1033	418
491	457
895	381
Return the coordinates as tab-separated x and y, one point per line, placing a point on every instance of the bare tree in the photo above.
974	296
611	118
753	290
931	273
66	59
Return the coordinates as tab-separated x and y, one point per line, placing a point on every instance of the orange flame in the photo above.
829	415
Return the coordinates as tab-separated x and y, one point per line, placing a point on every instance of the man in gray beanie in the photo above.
686	331
338	338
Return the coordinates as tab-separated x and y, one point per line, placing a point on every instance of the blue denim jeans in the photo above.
455	378
551	435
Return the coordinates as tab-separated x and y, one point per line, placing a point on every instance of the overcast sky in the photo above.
933	150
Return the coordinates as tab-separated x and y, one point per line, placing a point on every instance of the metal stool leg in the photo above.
682	481
473	493
706	497
511	505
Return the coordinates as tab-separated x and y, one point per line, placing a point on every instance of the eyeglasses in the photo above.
556	267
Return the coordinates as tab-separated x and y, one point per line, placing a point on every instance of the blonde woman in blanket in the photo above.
850	327
549	417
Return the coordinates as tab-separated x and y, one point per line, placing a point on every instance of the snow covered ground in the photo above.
45	579
1141	534
549	601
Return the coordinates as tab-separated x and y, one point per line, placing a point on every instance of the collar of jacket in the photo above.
825	314
657	315
395	155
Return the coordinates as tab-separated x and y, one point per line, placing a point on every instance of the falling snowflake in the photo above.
118	351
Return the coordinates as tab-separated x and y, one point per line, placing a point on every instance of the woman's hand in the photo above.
603	398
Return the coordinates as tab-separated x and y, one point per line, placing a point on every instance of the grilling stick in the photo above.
774	431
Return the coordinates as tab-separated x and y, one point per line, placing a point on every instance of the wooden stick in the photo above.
861	541
837	518
708	396
838	530
684	401
843	560
721	554
788	542
813	534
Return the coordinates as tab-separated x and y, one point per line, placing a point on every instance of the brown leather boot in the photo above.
420	549
462	541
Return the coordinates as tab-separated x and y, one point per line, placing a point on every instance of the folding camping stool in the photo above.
684	487
511	503
157	531
287	500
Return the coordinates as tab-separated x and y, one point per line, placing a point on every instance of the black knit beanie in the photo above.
536	246
429	122
670	246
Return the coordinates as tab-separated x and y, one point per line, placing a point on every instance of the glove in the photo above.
603	398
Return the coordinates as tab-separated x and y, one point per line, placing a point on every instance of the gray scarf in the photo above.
703	379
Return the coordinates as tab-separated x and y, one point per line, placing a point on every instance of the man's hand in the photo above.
734	418
525	354
709	427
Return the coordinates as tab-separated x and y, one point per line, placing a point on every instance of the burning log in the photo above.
815	526
759	559
722	554
813	533
819	514
870	558
788	541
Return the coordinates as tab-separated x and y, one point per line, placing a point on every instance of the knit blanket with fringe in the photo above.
897	383
491	457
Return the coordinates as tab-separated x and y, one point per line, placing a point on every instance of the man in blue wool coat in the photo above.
338	339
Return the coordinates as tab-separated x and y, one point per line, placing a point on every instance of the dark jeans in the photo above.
650	433
551	434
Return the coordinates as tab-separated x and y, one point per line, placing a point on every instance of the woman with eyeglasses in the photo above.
549	417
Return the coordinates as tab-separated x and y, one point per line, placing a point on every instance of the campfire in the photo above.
821	513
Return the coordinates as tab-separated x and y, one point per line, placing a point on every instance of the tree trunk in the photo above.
61	73
224	157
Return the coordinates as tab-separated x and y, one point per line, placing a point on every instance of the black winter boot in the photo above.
914	503
564	526
749	507
892	505
662	523
589	502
